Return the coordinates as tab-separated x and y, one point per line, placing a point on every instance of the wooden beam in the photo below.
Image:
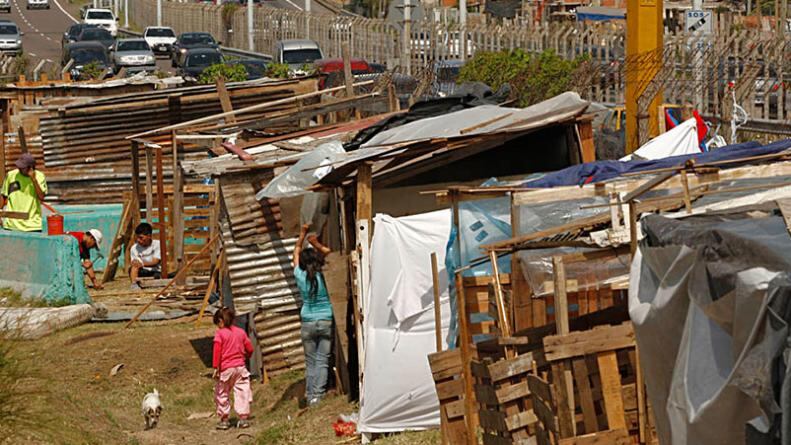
348	78
22	139
149	183
136	174
648	185
466	359
177	211
2	147
437	311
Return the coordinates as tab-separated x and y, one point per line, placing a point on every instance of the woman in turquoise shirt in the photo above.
316	313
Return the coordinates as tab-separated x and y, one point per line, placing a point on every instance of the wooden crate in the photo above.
505	409
449	383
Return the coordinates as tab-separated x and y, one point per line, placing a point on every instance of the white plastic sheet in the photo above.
681	140
398	390
306	172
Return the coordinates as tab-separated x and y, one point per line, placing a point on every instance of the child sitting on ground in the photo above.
231	349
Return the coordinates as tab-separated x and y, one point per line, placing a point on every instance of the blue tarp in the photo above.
603	170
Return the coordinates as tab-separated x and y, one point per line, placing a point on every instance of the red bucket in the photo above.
54	224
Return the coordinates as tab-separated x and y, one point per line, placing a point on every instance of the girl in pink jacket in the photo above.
231	349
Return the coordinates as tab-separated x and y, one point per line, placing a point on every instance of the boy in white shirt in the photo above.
145	256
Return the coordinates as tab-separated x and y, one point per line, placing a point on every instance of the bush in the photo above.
533	77
231	73
278	71
21	65
92	71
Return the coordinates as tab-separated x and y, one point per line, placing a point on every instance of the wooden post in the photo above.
437	311
22	139
392	98
466	361
364	195
163	240
505	328
136	175
685	185
178	208
149	184
348	79
561	298
2	149
633	227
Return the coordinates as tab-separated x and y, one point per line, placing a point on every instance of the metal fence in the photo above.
704	71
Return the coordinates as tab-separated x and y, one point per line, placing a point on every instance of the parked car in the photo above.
70	36
196	60
104	18
85	53
96	35
37	4
160	39
5	6
334	67
134	55
297	53
10	38
256	69
191	40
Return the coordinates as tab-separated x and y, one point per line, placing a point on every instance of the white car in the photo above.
37	4
103	18
160	39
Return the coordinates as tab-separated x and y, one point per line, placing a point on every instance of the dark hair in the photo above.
311	261
227	316
144	229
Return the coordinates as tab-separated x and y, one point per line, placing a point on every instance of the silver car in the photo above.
134	55
10	38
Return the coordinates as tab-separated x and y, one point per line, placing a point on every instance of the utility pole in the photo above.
407	51
116	5
644	36
159	12
307	19
126	14
250	26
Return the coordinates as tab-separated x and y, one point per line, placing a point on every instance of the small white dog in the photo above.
152	408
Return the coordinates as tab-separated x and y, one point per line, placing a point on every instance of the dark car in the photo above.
192	40
70	36
99	35
85	53
255	68
197	60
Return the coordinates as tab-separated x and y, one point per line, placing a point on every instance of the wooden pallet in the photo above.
505	409
449	382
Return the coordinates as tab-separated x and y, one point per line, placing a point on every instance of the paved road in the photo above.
43	29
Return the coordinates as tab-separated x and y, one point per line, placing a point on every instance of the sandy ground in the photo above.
80	403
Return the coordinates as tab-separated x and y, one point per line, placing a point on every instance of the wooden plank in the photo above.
503	322
163	244
575	344
611	389
451	388
520	420
609	437
455	409
440	361
225	100
484	281
508	368
545	415
149	184
122	237
580	370
492	420
364	198
641	400
587	147
540	388
13	215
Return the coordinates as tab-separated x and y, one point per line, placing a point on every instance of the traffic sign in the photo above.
699	21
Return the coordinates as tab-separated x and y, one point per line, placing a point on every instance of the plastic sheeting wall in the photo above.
398	390
709	298
41	266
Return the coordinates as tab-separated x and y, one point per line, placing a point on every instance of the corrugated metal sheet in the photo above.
259	265
84	145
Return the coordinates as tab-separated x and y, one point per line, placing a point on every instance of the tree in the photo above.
533	77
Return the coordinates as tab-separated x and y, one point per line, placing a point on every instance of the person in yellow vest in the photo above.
23	191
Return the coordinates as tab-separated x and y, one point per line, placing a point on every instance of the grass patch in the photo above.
274	434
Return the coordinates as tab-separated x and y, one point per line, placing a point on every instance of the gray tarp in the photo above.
709	298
